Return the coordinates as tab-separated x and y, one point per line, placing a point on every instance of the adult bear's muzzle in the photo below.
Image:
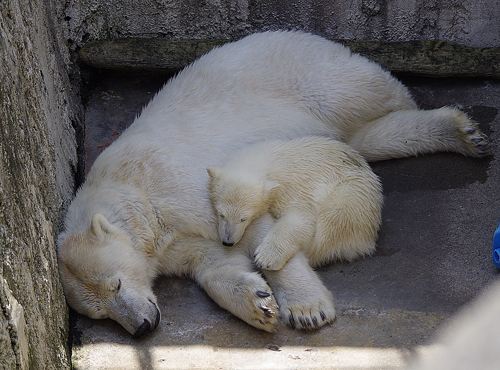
137	316
147	326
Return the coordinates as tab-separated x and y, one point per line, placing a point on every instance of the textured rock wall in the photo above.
471	22
39	114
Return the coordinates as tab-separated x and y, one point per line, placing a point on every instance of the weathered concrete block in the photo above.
39	114
470	22
424	58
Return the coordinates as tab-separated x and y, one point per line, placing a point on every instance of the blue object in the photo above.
496	247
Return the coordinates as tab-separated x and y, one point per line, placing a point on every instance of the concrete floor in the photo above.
434	256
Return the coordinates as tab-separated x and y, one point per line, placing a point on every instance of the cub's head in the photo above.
103	276
237	202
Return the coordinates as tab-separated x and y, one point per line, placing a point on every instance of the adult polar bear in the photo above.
145	210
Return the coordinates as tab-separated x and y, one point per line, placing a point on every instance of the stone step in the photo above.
433	58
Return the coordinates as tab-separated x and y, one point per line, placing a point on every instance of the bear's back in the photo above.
308	157
306	72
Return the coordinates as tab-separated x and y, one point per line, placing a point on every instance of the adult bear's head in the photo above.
103	276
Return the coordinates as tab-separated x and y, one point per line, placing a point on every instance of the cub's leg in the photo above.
303	300
289	234
229	278
404	133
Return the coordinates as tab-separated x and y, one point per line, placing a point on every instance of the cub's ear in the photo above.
271	186
100	225
214	172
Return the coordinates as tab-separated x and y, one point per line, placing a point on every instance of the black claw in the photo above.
323	316
470	130
262	294
302	322
476	140
267	311
315	321
291	321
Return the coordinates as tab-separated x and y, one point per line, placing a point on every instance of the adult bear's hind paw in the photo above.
474	142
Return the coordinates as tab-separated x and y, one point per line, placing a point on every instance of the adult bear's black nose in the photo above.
146	327
227	244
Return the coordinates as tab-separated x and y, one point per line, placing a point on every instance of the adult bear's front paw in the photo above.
256	304
246	295
304	302
268	310
307	313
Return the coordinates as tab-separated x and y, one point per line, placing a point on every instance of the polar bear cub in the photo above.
323	195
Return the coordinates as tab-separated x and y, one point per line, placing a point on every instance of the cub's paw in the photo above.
267	257
308	313
474	142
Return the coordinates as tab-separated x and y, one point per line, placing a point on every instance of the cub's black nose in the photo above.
227	244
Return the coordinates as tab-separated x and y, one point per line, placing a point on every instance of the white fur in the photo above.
324	196
151	184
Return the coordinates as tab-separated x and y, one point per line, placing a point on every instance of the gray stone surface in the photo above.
433	258
471	22
432	58
38	115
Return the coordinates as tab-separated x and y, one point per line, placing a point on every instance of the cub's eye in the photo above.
243	219
221	215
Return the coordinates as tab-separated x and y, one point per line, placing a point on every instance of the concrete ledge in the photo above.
423	58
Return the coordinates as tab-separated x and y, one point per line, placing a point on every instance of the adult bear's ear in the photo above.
213	172
100	225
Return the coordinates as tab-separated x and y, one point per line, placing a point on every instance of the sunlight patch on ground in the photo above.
124	357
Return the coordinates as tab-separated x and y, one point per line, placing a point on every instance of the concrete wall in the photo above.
471	22
39	114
